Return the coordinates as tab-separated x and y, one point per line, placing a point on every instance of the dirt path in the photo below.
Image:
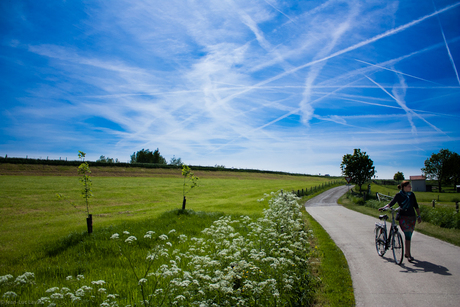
433	279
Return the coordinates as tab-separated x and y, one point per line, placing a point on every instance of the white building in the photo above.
418	183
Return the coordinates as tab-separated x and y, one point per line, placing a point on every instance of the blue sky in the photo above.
275	85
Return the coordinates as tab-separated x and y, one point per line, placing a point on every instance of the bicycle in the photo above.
383	242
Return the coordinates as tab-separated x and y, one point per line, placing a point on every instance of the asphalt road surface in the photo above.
433	279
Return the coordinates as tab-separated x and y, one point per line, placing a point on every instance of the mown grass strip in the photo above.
335	287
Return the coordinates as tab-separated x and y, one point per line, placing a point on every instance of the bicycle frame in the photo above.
393	229
384	241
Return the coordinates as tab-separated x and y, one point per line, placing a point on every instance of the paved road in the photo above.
433	279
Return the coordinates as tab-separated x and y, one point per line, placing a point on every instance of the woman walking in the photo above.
407	218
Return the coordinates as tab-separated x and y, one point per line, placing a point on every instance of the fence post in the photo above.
456	206
433	202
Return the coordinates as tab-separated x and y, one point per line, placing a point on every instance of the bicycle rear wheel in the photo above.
380	241
398	248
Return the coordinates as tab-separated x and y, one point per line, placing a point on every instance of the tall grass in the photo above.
182	258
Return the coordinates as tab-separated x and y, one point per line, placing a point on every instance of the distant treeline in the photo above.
142	165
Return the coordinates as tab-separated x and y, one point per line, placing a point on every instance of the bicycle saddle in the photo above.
383	216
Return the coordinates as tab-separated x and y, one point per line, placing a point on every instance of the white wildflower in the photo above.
10	294
172	231
142	281
163	237
131	239
80	277
57	296
180	298
98	282
52	290
26	278
5	278
126	232
43	300
115	236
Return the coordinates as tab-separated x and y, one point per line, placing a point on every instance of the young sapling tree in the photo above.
190	181
86	191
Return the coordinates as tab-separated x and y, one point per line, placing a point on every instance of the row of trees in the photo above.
147	156
443	167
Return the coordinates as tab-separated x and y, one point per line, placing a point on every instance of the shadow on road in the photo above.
425	267
419	266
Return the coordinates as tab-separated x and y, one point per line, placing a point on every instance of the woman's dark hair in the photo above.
403	184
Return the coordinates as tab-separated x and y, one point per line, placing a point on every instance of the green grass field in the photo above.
45	235
32	214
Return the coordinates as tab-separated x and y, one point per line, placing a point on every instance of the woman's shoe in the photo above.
409	258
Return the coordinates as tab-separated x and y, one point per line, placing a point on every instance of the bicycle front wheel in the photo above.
398	248
380	241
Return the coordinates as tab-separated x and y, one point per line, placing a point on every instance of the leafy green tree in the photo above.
146	156
106	160
190	181
442	166
175	161
454	167
358	166
399	176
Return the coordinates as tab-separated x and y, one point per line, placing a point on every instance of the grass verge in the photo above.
330	266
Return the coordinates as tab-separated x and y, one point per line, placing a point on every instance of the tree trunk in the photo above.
89	223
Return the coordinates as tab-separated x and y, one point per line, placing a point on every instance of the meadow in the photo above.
45	235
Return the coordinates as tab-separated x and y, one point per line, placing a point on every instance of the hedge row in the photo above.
143	165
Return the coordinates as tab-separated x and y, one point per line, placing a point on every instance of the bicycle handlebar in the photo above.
393	210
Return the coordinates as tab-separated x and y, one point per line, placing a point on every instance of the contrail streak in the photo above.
351	48
405	108
447	47
395	71
279	11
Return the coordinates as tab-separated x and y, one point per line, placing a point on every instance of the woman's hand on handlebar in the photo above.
384	208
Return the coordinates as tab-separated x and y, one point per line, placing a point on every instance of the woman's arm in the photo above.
391	204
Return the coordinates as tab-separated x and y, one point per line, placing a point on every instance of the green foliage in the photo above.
146	156
443	166
441	216
85	179
399	176
190	180
103	159
358	166
175	161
